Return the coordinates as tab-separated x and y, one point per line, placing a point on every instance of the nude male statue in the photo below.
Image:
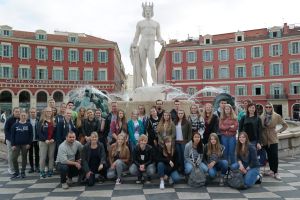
148	29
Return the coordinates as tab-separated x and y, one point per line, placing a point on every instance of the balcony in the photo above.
277	96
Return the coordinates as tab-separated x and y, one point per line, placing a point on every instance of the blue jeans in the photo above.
229	143
188	167
180	155
221	165
250	177
161	170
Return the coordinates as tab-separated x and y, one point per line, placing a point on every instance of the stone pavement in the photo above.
32	187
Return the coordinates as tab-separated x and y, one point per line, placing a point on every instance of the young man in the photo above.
160	111
21	138
70	105
175	110
112	116
222	104
143	161
68	162
34	145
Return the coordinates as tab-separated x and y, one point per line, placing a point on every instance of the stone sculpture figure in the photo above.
140	50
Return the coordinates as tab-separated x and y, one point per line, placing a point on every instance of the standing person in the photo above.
68	161
7	131
211	122
118	126
34	146
174	111
112	116
143	160
118	157
270	119
165	128
244	107
213	159
102	137
152	127
90	124
70	105
46	133
135	129
21	138
3	117
251	124
93	160
196	120
54	111
228	126
142	116
160	111
166	163
221	107
79	123
247	161
51	103
183	135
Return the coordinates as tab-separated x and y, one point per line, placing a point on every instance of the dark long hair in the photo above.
200	145
249	105
240	151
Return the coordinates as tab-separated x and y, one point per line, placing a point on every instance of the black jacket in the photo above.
86	155
8	125
21	134
143	157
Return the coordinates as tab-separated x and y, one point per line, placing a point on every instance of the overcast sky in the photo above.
116	19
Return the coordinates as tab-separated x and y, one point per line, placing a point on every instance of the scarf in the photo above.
268	118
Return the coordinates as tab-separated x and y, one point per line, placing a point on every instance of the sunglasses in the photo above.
268	107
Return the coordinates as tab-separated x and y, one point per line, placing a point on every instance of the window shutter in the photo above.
246	91
261	51
20	52
84	56
236	72
253	71
53	54
280	69
236	90
290	68
99	57
203	56
77	56
291	88
1	49
30	73
92	55
244	72
271	69
61	55
173	74
280	49
270	50
69	55
29	52
219	55
106	56
1	74
244	53
37	53
36	74
252	52
211	55
253	90
290	48
46	76
263	89
46	53
235	54
11	52
187	74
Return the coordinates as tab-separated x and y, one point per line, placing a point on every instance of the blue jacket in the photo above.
35	128
43	131
62	129
251	159
8	125
131	131
21	134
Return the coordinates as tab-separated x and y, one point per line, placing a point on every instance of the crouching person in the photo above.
93	159
119	156
142	160
67	160
213	160
247	160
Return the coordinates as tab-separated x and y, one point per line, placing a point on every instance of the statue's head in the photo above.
147	10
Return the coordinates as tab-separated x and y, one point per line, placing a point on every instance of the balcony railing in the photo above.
277	96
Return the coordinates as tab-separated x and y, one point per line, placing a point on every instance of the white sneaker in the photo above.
69	181
10	171
162	185
65	186
277	177
118	181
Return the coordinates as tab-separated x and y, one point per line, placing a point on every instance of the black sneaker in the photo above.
259	179
23	175
139	181
15	176
31	171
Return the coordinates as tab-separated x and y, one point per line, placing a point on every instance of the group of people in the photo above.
95	148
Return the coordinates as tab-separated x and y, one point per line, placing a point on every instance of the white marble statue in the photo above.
142	49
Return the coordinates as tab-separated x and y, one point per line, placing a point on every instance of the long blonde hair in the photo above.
214	148
43	116
79	118
160	126
123	147
232	113
210	114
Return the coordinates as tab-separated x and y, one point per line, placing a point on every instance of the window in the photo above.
207	55
223	72
88	56
208	41
73	39
57	74
88	75
239	38
6	32
208	73
225	88
41	53
191	90
40	36
258	90
24	52
5	71
294	68
73	55
276	69
257	52
240	71
295	88
240	90
6	50
73	75
102	75
24	73
191	56
207	94
294	47
240	53
223	55
41	74
57	54
176	74
275	33
275	50
176	57
257	70
276	90
103	56
191	74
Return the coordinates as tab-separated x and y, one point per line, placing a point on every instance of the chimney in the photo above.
285	29
201	40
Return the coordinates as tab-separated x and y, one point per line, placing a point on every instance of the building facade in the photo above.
36	66
261	64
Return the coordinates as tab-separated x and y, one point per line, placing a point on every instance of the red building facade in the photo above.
36	66
261	64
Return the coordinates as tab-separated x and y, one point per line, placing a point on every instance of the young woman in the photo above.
142	116
79	124
228	126
193	153
152	127
270	119
135	129
165	128
90	124
93	159
247	161
166	163
196	120
251	124
46	133
119	125
213	158
118	157
183	135
211	122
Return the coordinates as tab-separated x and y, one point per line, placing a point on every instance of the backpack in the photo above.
2	119
237	179
197	178
262	157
